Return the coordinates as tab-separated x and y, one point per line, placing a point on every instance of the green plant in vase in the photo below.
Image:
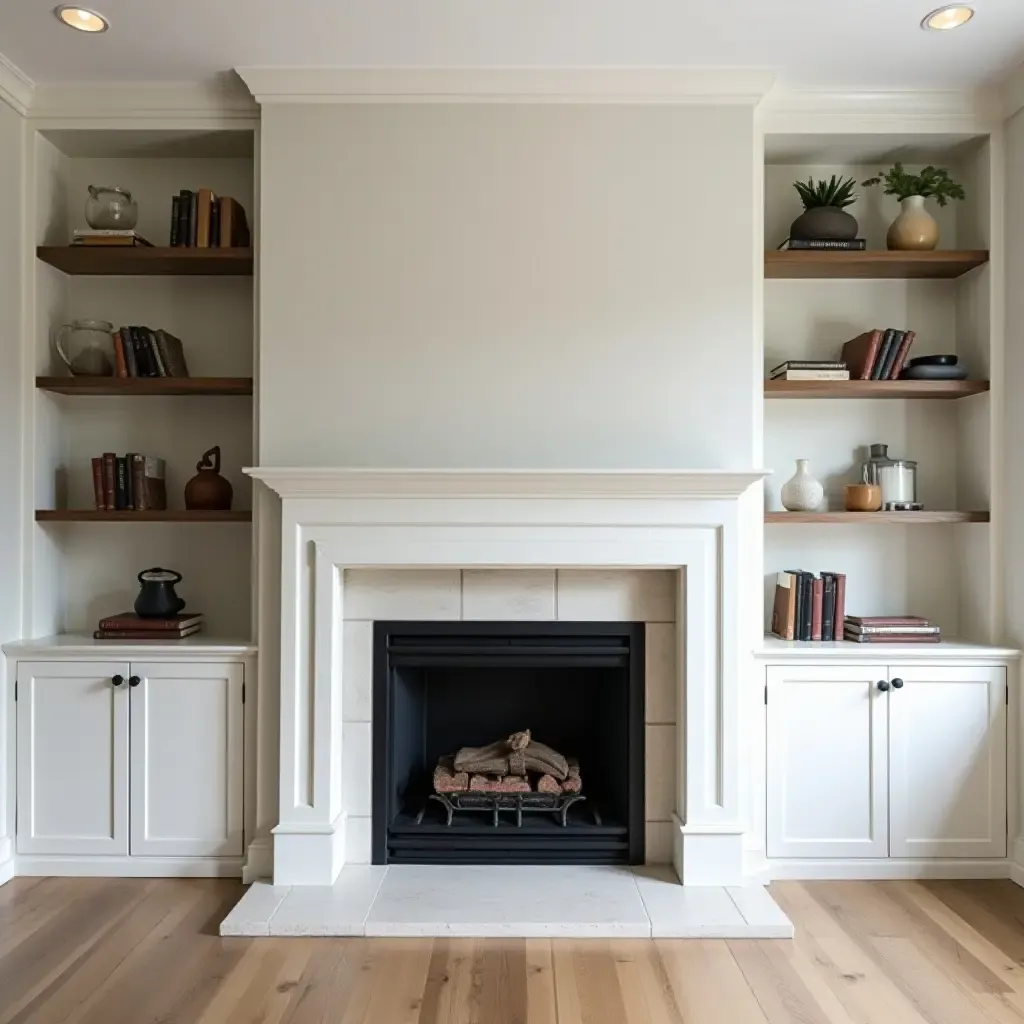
825	215
915	228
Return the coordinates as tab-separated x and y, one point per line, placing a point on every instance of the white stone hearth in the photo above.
517	902
658	547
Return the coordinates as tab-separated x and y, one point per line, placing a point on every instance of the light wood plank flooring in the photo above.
129	951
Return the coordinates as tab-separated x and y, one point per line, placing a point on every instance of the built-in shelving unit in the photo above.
129	386
878	518
813	302
90	515
147	261
874	388
205	297
872	264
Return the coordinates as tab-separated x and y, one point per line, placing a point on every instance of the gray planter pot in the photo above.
824	222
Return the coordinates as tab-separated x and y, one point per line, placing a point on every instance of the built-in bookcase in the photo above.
946	571
78	571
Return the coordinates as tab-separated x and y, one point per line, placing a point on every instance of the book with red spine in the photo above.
817	594
109	480
840	613
129	621
97	484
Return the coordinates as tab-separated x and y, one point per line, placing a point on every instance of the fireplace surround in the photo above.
440	686
694	524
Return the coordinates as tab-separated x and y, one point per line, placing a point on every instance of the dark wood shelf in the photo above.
874	388
91	515
877	518
146	385
879	264
147	260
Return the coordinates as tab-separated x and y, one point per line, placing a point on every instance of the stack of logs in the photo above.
516	765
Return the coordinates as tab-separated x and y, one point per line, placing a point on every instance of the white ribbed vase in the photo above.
801	492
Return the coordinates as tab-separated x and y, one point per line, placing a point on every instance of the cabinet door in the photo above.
186	754
947	762
72	732
826	770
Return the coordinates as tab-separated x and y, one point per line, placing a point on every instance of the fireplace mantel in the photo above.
686	521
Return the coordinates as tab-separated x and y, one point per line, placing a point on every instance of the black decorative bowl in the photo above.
932	361
929	371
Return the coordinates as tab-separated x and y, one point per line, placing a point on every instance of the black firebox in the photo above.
440	686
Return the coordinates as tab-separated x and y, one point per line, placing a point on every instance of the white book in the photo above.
813	375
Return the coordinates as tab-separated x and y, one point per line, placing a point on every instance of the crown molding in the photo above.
794	110
330	482
220	99
16	88
506	85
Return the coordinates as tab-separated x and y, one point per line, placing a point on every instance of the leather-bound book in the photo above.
234	229
828	605
817	594
97	484
109	480
888	337
137	472
784	608
173	354
901	355
840	613
860	354
204	213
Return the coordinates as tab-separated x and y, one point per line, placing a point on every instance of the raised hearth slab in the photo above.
497	901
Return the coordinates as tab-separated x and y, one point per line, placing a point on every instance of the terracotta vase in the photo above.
915	228
208	491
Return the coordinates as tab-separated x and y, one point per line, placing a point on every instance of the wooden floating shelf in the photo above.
92	515
877	264
146	385
146	260
877	518
874	388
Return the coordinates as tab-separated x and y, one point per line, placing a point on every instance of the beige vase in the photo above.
914	228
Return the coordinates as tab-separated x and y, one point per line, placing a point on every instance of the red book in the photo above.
119	360
837	632
893	638
901	354
816	599
109	480
97	484
887	620
131	621
145	634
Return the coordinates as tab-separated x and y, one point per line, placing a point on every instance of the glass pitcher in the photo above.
87	347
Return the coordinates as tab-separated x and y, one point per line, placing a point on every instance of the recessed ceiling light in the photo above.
949	17
81	18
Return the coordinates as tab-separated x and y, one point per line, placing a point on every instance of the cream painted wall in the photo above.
508	286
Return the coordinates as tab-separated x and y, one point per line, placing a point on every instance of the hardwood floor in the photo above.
128	951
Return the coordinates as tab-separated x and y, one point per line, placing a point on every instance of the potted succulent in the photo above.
824	213
915	227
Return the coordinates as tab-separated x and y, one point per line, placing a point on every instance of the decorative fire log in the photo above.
513	756
498	784
447	780
549	784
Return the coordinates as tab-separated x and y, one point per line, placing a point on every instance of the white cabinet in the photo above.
186	760
827	763
72	763
130	759
872	760
947	762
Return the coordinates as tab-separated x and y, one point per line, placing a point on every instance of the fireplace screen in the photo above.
508	742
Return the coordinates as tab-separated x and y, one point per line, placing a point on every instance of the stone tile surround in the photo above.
643	595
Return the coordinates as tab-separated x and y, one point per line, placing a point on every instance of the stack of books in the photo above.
143	352
878	354
839	244
203	220
811	369
890	629
129	483
809	607
112	236
129	626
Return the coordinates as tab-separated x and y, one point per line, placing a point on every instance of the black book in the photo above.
193	217
215	224
798	611
129	485
184	210
890	359
806	605
120	483
143	357
842	244
129	352
828	605
175	212
883	354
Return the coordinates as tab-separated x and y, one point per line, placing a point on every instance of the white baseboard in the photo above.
883	868
259	861
131	867
7	871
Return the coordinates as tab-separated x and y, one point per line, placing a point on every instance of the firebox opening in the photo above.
441	687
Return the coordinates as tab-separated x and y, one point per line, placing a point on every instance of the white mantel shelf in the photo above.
329	482
83	644
774	649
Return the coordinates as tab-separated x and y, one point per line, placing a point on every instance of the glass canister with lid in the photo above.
897	479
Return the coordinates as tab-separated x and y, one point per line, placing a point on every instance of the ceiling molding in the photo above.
16	88
506	85
221	99
790	110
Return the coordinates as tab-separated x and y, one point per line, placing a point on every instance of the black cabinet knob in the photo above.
117	680
897	684
134	681
883	684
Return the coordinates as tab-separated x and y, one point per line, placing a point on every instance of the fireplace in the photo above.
441	686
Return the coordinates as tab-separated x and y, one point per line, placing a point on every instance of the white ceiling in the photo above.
835	43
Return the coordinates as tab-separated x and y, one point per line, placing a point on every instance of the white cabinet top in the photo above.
774	649
82	644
